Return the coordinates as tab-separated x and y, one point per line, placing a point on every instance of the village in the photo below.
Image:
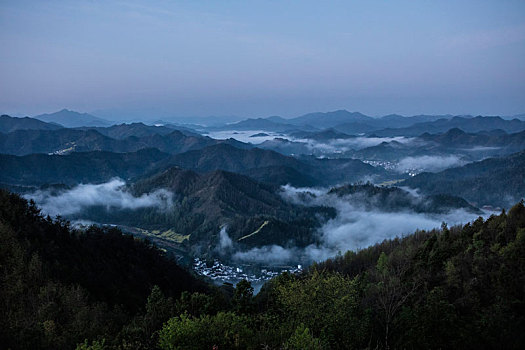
232	274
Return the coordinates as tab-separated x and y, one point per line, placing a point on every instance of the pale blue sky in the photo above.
259	58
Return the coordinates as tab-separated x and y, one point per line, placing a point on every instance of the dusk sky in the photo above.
258	58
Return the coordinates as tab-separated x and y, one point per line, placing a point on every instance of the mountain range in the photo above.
72	119
466	124
9	124
391	125
65	140
77	167
395	199
262	165
455	142
493	181
205	203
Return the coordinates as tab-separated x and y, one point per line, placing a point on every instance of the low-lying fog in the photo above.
353	228
329	146
349	144
249	136
429	163
111	195
336	147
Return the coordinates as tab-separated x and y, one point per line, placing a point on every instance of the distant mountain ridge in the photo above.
260	124
395	199
493	181
10	124
341	120
454	142
269	166
262	165
65	140
470	125
122	131
72	119
353	123
77	167
455	137
330	119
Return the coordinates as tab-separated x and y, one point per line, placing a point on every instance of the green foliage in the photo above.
59	287
242	297
225	330
458	287
196	304
328	304
95	345
461	287
302	339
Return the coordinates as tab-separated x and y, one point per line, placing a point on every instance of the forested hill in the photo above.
62	141
493	181
206	202
270	166
391	199
99	166
459	287
59	286
77	167
9	124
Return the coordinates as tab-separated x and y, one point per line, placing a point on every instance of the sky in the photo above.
161	59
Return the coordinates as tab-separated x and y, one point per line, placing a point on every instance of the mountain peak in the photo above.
72	119
455	131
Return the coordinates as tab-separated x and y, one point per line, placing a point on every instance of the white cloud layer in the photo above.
429	163
353	228
111	194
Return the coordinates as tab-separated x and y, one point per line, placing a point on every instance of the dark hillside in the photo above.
493	181
9	124
59	286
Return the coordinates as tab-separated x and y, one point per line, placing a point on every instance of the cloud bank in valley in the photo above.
310	146
245	135
429	163
354	227
349	144
271	254
112	195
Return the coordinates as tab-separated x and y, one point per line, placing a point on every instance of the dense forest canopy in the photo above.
458	287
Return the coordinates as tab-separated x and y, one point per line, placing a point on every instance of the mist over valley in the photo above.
289	193
262	175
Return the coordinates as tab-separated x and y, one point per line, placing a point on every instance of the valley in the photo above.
287	193
262	175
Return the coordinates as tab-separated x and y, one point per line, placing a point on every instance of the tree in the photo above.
390	292
243	297
302	339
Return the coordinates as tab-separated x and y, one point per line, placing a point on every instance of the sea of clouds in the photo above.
328	146
354	227
429	163
112	195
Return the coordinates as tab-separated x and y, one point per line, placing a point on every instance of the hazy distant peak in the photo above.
72	119
9	124
455	131
392	116
277	119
